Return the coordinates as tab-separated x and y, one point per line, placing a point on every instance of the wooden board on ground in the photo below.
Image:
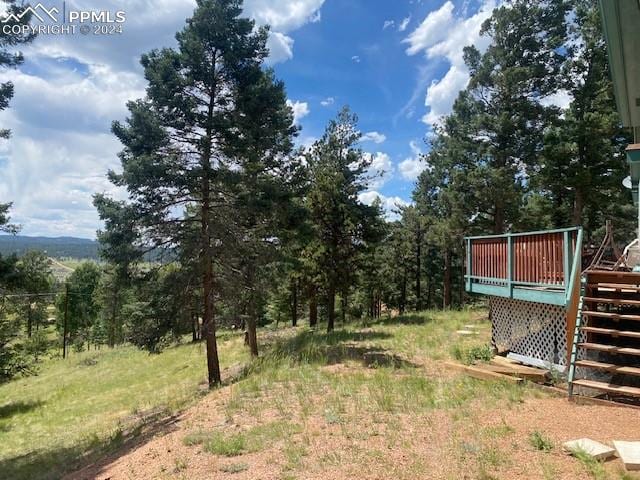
481	373
466	332
592	448
534	362
629	453
533	374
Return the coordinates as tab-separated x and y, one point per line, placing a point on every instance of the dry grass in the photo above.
314	407
90	401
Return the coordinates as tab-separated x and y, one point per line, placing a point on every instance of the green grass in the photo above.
592	466
91	400
88	404
252	440
234	468
540	442
472	354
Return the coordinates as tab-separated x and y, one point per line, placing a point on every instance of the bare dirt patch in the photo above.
469	442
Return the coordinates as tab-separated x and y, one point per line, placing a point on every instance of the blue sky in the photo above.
397	64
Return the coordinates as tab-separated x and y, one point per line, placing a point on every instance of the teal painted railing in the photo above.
534	266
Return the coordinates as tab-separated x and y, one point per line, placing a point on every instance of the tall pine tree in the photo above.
185	142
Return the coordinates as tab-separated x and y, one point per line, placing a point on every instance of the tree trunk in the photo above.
252	336
313	307
498	219
578	207
208	323
294	303
418	270
447	279
331	308
461	287
29	321
403	293
194	327
372	309
343	308
66	321
114	315
251	307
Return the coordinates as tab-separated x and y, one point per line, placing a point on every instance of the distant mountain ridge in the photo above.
56	247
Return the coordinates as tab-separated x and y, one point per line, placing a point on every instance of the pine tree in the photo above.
583	161
495	131
206	117
342	225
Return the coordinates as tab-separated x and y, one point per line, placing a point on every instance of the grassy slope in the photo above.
305	387
85	402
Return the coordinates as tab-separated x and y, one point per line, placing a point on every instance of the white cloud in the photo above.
300	110
74	88
388	24
283	16
561	98
404	24
411	167
433	29
356	58
327	102
280	48
73	102
381	169
444	35
389	204
375	137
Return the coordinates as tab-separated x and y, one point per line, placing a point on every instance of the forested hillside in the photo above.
254	228
60	247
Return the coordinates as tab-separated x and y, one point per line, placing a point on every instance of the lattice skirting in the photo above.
536	330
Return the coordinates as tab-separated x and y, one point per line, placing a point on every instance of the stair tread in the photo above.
609	348
609	367
611	331
615	286
613	301
608	387
621	316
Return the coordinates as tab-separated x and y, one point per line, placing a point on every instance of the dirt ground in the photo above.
471	442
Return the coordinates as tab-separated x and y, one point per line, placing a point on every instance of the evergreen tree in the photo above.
9	59
5	226
495	131
342	225
81	307
583	161
206	110
35	277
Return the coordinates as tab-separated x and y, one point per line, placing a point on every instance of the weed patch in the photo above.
472	354
540	442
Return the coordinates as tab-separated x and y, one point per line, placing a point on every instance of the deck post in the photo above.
566	261
510	264
469	265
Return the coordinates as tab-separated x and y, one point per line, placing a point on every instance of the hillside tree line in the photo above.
228	223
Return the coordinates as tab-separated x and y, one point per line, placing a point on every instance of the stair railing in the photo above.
576	337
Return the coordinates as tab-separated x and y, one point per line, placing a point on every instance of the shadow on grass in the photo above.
15	408
336	347
94	457
407	319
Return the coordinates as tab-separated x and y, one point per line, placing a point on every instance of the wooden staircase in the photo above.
606	343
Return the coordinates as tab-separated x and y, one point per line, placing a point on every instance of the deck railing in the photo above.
534	266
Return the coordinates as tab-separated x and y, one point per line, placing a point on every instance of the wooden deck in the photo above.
534	266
